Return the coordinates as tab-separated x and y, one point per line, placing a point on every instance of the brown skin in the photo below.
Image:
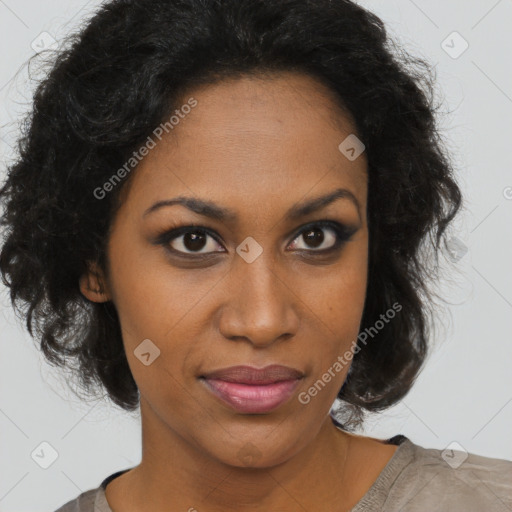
258	146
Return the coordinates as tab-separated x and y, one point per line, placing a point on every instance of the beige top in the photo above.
415	479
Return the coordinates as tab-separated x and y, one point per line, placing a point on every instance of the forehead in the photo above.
252	139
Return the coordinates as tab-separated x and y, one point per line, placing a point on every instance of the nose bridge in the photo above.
260	281
261	308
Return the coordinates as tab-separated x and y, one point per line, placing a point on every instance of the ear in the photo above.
92	284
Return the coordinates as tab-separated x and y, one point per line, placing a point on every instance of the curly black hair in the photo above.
123	74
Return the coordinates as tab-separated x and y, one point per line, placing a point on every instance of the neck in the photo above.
174	472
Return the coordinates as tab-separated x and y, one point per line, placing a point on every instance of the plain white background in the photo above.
464	395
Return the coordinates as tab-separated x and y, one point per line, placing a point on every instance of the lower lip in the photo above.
254	399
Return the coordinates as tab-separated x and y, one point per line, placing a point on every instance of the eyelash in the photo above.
342	233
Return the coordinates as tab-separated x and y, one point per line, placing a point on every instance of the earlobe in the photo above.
92	285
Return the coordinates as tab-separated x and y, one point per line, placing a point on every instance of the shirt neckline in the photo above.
376	495
372	499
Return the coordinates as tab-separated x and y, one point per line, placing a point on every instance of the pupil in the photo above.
194	241
314	237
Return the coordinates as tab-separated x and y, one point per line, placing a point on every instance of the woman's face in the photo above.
266	284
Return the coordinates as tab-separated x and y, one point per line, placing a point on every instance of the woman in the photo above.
219	212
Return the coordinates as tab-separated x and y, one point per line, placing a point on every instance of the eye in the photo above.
190	240
313	238
318	237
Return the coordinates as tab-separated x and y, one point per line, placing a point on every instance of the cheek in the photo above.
158	310
339	304
340	293
149	294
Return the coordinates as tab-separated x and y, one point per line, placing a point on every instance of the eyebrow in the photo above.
214	211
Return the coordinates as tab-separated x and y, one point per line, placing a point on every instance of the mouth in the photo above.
251	390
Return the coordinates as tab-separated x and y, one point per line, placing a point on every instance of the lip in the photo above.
253	390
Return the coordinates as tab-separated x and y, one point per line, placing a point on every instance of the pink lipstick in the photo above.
251	390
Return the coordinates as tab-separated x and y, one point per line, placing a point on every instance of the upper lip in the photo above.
251	375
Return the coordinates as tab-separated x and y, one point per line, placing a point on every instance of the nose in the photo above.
262	306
